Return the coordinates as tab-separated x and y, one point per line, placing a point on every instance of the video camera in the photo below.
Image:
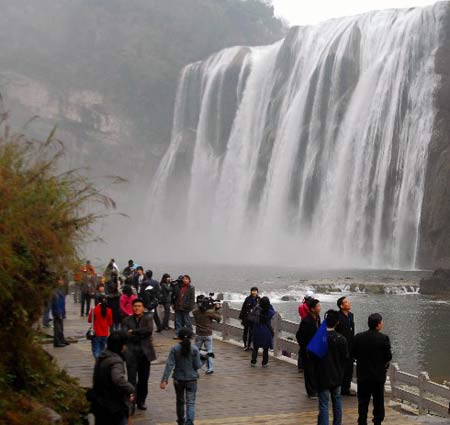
208	302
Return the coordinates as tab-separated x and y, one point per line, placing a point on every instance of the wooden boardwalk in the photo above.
234	394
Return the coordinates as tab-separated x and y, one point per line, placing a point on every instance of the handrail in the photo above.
419	390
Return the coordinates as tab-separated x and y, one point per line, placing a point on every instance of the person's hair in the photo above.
189	277
164	277
88	262
332	318
264	304
127	290
112	260
139	268
116	341
254	288
137	300
130	262
374	320
312	303
104	305
340	302
185	334
148	274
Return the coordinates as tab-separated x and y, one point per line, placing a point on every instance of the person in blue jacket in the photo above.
59	312
262	330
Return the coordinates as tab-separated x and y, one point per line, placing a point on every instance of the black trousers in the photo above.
85	302
157	320
248	334
58	331
138	369
265	358
348	375
367	389
103	417
309	373
165	323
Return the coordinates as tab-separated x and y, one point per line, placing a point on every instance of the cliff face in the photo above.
434	245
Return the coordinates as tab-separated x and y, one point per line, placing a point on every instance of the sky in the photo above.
306	12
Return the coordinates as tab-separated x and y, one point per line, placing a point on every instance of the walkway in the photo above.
234	394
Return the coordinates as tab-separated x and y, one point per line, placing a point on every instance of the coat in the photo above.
101	324
372	352
185	366
330	369
262	331
166	293
307	329
140	340
150	293
248	304
126	304
187	301
58	304
111	387
203	320
346	327
114	305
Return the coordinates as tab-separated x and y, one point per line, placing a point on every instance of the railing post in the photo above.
225	320
276	325
423	379
392	376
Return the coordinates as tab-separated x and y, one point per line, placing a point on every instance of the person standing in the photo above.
111	391
58	307
151	294
126	301
185	358
140	352
137	278
87	292
303	310
101	318
346	327
204	314
372	351
262	330
128	270
184	302
166	298
306	331
114	304
330	371
248	305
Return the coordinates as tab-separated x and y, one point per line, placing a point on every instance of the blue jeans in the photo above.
98	345
324	398
185	391
208	342
182	320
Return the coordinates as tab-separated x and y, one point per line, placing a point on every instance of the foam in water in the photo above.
311	151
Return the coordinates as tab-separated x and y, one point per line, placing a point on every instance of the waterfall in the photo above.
311	151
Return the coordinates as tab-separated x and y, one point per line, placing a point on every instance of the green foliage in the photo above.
43	219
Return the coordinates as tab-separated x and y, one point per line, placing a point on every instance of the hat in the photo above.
185	333
309	294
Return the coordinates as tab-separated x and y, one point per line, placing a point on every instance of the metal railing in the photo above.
418	390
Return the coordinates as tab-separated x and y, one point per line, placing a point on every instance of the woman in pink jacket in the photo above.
126	301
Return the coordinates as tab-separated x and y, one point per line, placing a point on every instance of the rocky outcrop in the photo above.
434	246
438	284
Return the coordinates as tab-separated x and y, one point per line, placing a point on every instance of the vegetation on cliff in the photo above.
44	216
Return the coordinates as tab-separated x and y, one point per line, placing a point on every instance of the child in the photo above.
186	360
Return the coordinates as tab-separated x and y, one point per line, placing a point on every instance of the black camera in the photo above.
206	303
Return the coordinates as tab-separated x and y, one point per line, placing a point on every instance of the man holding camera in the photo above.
205	312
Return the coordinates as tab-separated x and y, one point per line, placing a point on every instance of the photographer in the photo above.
205	312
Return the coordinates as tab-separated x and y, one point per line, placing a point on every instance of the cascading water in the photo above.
311	151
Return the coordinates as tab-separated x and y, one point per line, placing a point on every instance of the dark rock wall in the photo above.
434	248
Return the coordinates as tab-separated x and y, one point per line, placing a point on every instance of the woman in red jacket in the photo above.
101	318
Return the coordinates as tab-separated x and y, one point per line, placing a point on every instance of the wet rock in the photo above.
437	284
287	298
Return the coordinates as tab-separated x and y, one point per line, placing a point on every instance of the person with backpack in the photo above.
151	294
261	317
306	331
101	318
184	358
248	305
330	371
111	392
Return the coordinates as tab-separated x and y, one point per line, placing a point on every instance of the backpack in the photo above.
254	315
150	298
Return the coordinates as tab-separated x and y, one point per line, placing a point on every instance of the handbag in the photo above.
90	334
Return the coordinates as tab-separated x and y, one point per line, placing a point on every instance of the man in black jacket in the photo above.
151	293
372	351
184	303
140	351
111	392
346	327
307	329
330	370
